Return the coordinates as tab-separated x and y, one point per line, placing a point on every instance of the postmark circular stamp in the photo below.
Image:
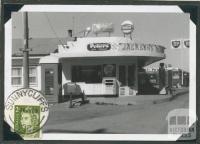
26	110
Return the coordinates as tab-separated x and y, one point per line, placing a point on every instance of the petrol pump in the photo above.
109	80
176	78
110	85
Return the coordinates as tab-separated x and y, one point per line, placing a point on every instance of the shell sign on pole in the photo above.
182	43
176	44
186	43
127	27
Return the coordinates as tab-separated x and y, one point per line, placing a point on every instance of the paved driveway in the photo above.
92	118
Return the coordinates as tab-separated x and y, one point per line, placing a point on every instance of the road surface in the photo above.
91	118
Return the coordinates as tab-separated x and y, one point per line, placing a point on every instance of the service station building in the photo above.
101	66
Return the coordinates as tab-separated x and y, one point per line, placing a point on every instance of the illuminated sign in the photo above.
98	46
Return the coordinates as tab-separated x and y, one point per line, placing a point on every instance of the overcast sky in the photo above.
157	28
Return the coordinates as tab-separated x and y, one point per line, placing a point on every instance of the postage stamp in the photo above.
26	111
26	119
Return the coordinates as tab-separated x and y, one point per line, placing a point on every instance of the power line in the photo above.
54	32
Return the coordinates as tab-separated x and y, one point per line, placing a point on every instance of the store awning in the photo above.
142	60
101	47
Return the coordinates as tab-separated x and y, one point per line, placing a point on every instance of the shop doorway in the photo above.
51	75
127	75
127	80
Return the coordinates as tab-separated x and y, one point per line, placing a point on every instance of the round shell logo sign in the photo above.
26	110
127	27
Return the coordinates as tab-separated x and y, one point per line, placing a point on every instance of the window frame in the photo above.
15	67
36	76
22	76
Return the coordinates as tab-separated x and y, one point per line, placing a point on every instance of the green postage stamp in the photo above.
26	111
27	121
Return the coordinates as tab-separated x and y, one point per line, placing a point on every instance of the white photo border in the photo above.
108	8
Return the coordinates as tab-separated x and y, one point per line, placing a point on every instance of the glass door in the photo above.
127	75
51	83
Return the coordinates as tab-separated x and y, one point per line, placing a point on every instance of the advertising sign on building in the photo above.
102	27
186	43
98	46
183	43
127	27
176	44
140	47
109	70
125	47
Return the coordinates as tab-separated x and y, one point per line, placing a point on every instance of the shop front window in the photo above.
87	74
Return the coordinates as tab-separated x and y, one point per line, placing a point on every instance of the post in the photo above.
70	101
162	79
26	51
170	81
182	78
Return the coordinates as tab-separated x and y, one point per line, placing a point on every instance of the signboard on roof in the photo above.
111	46
102	27
127	27
125	47
98	46
140	47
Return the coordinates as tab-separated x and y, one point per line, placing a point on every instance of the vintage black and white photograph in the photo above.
99	73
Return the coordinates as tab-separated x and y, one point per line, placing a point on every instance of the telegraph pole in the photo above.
26	51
